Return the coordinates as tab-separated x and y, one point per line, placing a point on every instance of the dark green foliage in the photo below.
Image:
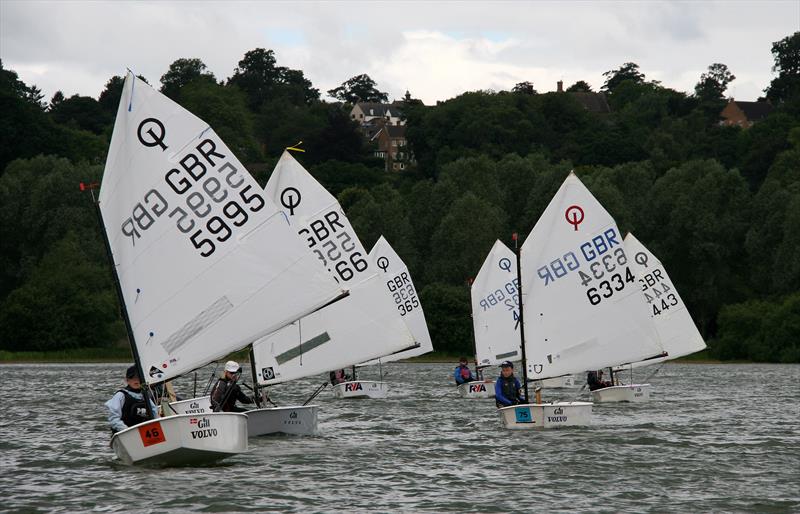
786	85
262	81
759	330
718	205
181	73
360	88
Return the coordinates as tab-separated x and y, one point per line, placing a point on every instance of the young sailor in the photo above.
127	407
506	389
462	373
226	391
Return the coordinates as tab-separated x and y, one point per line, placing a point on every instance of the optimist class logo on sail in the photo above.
205	194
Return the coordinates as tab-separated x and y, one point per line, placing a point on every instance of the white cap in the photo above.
232	366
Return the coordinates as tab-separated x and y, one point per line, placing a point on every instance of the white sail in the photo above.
674	325
582	305
363	326
398	285
206	263
319	219
495	308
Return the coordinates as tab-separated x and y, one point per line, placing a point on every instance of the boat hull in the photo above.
634	393
185	439
200	405
546	415
477	389
298	420
556	383
361	389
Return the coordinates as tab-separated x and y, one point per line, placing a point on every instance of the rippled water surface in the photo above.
713	438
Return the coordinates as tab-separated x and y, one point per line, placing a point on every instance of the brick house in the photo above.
392	147
744	114
592	102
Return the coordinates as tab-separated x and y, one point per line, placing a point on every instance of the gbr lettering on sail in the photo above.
205	193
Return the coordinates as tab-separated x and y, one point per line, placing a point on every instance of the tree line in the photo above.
719	205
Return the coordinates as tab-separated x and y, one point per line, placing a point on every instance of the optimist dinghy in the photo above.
196	252
673	323
581	303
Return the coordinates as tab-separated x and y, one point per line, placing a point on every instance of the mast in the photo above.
478	373
136	359
256	394
515	237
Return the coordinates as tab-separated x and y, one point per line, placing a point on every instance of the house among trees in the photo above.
589	100
364	112
391	141
744	114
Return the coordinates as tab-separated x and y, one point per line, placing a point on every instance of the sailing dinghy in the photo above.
581	306
495	321
197	251
361	327
672	321
399	286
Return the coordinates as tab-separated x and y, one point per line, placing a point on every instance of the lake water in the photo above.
713	438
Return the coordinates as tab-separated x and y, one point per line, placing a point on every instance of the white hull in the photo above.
635	393
199	405
361	389
300	420
546	415
182	440
477	389
555	383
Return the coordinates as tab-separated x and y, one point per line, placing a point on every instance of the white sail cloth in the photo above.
495	308
206	263
363	326
674	325
319	220
582	305
398	285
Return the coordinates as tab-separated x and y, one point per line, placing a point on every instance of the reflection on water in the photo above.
713	438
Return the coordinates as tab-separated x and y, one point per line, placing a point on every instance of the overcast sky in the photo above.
436	50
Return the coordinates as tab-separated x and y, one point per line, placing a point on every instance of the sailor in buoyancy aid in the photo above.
462	373
506	389
127	407
226	392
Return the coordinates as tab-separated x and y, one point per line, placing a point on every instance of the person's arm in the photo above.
114	406
518	386
498	394
243	398
457	375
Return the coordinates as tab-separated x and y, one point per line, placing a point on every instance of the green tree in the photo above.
225	110
714	82
181	73
579	87
524	88
628	72
786	54
447	311
258	76
360	88
463	239
68	302
112	92
82	112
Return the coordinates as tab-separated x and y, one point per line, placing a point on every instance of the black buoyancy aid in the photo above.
508	386
134	411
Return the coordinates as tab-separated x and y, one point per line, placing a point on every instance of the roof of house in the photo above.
592	102
378	109
392	131
755	111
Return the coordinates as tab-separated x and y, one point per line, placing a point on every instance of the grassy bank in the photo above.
113	354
